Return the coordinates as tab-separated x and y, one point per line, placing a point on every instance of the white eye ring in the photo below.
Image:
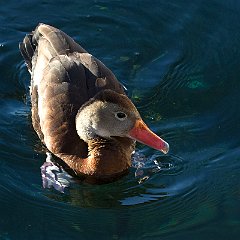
120	116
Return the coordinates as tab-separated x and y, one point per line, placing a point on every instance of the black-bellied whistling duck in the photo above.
79	109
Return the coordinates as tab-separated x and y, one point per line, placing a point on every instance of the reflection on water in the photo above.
180	63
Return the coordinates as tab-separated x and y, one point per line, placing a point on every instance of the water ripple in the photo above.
180	62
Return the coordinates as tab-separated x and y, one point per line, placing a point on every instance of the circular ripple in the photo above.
167	165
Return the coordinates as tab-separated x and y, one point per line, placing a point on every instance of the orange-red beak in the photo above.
143	134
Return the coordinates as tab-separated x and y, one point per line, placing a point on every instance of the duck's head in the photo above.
110	114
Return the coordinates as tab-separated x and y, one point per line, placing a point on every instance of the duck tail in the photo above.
27	49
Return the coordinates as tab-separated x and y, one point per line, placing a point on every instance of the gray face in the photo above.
105	119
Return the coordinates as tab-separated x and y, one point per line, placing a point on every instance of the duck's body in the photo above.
67	86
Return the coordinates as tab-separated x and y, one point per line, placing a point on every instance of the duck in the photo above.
79	109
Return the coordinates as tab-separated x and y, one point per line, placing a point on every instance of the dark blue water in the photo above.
180	61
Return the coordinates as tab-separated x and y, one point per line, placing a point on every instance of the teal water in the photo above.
180	61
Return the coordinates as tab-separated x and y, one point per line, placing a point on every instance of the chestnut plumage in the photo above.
79	109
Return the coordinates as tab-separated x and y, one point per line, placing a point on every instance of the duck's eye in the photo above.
121	115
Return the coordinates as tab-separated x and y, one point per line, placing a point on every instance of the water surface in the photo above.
180	61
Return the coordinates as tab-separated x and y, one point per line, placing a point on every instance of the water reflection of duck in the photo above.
79	109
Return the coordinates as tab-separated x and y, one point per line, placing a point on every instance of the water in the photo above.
180	63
